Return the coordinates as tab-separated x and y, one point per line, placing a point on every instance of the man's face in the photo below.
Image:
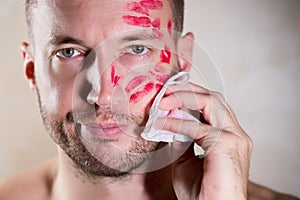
98	66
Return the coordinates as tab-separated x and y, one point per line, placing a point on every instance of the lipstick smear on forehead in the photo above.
138	8
137	21
144	6
152	4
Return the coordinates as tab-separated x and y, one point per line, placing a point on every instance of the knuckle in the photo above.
238	141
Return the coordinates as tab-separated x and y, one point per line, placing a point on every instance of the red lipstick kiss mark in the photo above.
137	21
152	4
158	86
162	78
156	28
135	82
141	94
144	6
165	55
170	27
114	79
156	23
138	8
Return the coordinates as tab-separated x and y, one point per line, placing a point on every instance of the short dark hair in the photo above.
177	7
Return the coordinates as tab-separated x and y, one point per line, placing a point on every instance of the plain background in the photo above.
256	48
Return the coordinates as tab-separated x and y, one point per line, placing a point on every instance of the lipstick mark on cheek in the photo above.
165	55
159	68
112	74
135	82
170	25
134	98
158	86
114	78
137	21
162	78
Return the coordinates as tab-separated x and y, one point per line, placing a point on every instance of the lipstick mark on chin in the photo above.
134	98
114	78
135	82
137	21
165	55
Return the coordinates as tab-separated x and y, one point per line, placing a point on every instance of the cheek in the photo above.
54	90
114	79
165	55
141	89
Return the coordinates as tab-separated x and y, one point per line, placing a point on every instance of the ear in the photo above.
185	46
28	64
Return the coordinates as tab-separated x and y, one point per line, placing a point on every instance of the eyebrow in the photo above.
138	36
143	35
61	39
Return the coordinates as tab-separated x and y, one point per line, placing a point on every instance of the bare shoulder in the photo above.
32	184
258	192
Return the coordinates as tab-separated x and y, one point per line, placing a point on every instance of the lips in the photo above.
106	131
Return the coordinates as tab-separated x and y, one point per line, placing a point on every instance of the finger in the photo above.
190	128
213	107
189	100
190	87
202	134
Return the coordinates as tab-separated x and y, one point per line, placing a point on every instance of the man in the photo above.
96	67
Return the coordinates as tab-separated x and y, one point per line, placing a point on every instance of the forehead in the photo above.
95	20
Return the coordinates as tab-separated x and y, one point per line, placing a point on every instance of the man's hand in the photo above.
223	172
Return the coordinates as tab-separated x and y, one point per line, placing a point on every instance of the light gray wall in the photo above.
256	48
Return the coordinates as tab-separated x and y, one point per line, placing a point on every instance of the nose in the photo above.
102	77
102	86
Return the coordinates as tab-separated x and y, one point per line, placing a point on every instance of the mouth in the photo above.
104	131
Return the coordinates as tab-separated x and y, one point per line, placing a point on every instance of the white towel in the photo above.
152	134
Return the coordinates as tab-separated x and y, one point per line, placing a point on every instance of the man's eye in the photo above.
68	53
138	49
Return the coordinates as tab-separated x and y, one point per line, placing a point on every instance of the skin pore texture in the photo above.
96	67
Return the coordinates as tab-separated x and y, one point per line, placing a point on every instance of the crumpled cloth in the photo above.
152	134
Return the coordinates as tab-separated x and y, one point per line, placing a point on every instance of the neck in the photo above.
71	184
